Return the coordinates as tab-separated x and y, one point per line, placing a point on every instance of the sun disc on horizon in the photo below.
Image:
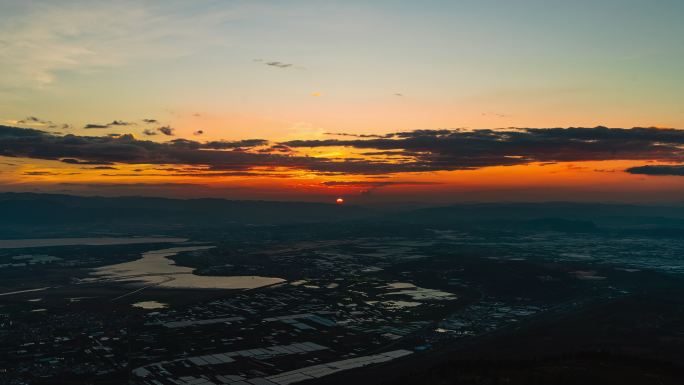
339	201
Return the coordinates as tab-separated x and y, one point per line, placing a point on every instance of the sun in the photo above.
339	201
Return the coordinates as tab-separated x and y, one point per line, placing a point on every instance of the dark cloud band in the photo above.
657	170
470	149
411	151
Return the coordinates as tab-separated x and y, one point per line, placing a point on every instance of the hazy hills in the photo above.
28	208
39	210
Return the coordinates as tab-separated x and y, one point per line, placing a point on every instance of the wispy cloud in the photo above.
34	121
114	123
278	64
77	161
358	135
90	126
42	39
166	130
120	123
40	173
657	170
376	184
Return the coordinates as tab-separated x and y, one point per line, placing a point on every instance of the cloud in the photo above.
277	148
77	161
395	153
31	119
409	151
198	133
35	121
102	168
470	149
222	145
357	135
375	184
113	123
132	185
105	150
40	173
166	130
215	155
149	132
494	114
41	41
120	123
150	121
95	126
368	187
657	170
278	64
205	174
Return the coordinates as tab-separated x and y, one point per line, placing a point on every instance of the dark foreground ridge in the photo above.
635	339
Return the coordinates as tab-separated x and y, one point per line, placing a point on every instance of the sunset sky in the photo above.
373	101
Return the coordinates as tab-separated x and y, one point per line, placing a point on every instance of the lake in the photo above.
156	269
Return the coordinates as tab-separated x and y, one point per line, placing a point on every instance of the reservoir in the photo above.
156	269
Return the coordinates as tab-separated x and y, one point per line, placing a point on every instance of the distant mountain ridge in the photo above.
607	214
45	209
26	208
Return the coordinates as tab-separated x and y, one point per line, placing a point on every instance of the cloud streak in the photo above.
42	40
278	64
113	123
91	126
663	170
33	121
166	130
377	184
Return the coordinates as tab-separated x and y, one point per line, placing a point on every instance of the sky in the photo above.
374	101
